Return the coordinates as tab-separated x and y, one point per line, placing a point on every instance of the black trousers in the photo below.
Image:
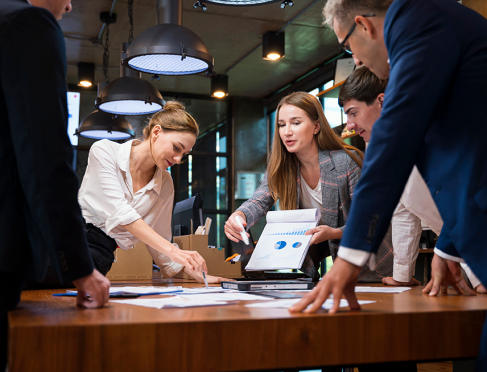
102	249
10	289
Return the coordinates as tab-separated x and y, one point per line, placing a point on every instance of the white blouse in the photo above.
310	198
107	199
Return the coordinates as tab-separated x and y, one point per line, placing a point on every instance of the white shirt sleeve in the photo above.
105	196
357	257
471	276
406	233
447	256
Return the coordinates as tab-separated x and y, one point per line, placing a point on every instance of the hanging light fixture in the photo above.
86	74
273	45
101	125
219	86
129	94
169	48
240	2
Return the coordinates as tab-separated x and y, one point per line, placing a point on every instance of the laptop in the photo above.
245	251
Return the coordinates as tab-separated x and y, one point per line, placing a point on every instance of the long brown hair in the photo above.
282	168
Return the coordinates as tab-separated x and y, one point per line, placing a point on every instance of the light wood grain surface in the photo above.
47	333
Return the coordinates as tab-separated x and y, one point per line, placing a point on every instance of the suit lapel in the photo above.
329	189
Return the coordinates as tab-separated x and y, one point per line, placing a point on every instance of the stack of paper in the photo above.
381	289
169	302
142	290
282	244
327	305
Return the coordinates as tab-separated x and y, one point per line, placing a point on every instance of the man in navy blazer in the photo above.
39	215
435	55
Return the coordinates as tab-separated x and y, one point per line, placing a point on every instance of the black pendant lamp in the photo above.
129	94
102	125
169	48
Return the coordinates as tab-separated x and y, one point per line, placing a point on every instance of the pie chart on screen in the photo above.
279	245
297	245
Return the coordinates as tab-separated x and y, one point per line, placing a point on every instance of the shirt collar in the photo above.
123	156
123	160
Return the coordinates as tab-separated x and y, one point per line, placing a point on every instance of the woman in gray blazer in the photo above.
311	167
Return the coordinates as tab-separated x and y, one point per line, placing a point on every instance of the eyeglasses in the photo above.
342	45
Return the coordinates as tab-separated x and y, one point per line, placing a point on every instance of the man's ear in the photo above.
380	100
367	26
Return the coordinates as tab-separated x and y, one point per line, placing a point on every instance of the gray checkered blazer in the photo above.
339	176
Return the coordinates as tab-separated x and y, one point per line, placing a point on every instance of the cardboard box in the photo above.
132	264
214	257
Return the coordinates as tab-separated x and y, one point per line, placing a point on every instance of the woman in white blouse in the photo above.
127	194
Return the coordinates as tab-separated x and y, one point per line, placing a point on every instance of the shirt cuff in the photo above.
357	257
471	276
403	273
447	256
168	267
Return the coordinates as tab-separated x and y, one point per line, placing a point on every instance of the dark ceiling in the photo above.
230	33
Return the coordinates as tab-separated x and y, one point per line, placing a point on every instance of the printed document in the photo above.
283	244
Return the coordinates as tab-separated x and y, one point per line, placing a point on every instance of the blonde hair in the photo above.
173	117
282	169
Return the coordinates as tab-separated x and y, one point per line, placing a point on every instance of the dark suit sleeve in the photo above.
424	54
33	69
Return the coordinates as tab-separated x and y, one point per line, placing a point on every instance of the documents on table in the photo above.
381	289
288	303
282	244
226	296
142	290
171	302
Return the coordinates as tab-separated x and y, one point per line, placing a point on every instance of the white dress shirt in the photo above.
107	199
416	206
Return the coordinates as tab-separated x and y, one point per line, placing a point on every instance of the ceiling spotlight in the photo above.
129	94
219	86
101	125
86	74
169	48
286	2
273	45
200	4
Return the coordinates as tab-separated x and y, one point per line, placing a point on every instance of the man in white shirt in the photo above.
361	97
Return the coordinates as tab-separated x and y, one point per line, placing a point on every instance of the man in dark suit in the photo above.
40	216
434	53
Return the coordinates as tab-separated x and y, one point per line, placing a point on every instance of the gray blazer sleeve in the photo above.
258	205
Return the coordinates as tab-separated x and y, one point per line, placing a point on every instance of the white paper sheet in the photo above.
381	289
227	296
282	244
288	303
170	302
142	290
204	290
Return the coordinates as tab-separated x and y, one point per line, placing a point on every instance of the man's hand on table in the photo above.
340	280
95	285
390	281
445	273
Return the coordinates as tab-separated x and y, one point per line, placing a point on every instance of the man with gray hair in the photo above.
434	53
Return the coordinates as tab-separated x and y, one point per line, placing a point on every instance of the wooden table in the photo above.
48	334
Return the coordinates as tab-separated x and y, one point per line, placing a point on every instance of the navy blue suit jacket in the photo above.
434	116
39	213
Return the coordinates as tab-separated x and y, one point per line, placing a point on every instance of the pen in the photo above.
243	234
206	281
